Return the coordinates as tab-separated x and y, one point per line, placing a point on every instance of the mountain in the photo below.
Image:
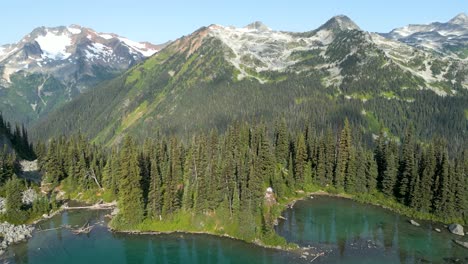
50	66
220	74
450	38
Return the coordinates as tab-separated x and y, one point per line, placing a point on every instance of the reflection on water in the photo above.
356	233
102	246
346	231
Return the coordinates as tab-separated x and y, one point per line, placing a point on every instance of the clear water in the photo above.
348	232
102	246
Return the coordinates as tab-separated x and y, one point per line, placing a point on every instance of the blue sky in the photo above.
159	21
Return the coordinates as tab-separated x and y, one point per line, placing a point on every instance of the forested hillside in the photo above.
217	182
15	140
219	75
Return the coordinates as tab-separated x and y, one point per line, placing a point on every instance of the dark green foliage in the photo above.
408	176
13	188
225	175
130	190
183	91
17	140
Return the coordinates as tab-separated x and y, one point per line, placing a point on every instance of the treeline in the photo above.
227	174
15	145
12	144
18	137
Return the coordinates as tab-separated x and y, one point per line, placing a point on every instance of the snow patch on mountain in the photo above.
7	52
98	50
106	36
54	46
74	30
139	47
266	50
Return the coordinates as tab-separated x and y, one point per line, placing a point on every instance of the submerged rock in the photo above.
414	223
461	243
456	229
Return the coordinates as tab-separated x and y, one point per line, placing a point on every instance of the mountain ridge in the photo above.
218	75
449	38
51	65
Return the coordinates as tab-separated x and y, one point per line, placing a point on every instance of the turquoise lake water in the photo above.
346	231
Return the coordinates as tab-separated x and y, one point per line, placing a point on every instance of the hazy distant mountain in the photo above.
449	38
50	66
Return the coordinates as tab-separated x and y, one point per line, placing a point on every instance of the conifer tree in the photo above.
371	173
344	156
130	192
281	142
300	161
390	175
155	195
407	169
13	188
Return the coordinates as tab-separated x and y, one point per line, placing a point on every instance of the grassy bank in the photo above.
245	227
213	223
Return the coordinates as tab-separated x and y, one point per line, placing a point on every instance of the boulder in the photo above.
414	223
456	229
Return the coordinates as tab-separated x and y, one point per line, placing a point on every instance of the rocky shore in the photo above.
13	234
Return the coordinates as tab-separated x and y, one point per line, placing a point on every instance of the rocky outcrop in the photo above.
29	196
13	234
456	229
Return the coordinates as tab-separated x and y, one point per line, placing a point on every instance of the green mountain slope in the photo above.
220	74
50	66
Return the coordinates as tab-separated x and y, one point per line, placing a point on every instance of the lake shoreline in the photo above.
303	252
435	224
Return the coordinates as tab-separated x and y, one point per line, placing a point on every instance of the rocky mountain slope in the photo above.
450	38
220	74
50	66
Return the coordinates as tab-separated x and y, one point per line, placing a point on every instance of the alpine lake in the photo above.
341	230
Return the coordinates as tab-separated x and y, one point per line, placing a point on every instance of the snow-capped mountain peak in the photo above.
62	51
460	19
340	22
450	38
54	45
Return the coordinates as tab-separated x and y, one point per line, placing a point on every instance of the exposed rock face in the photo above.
29	196
13	234
30	171
456	229
414	223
